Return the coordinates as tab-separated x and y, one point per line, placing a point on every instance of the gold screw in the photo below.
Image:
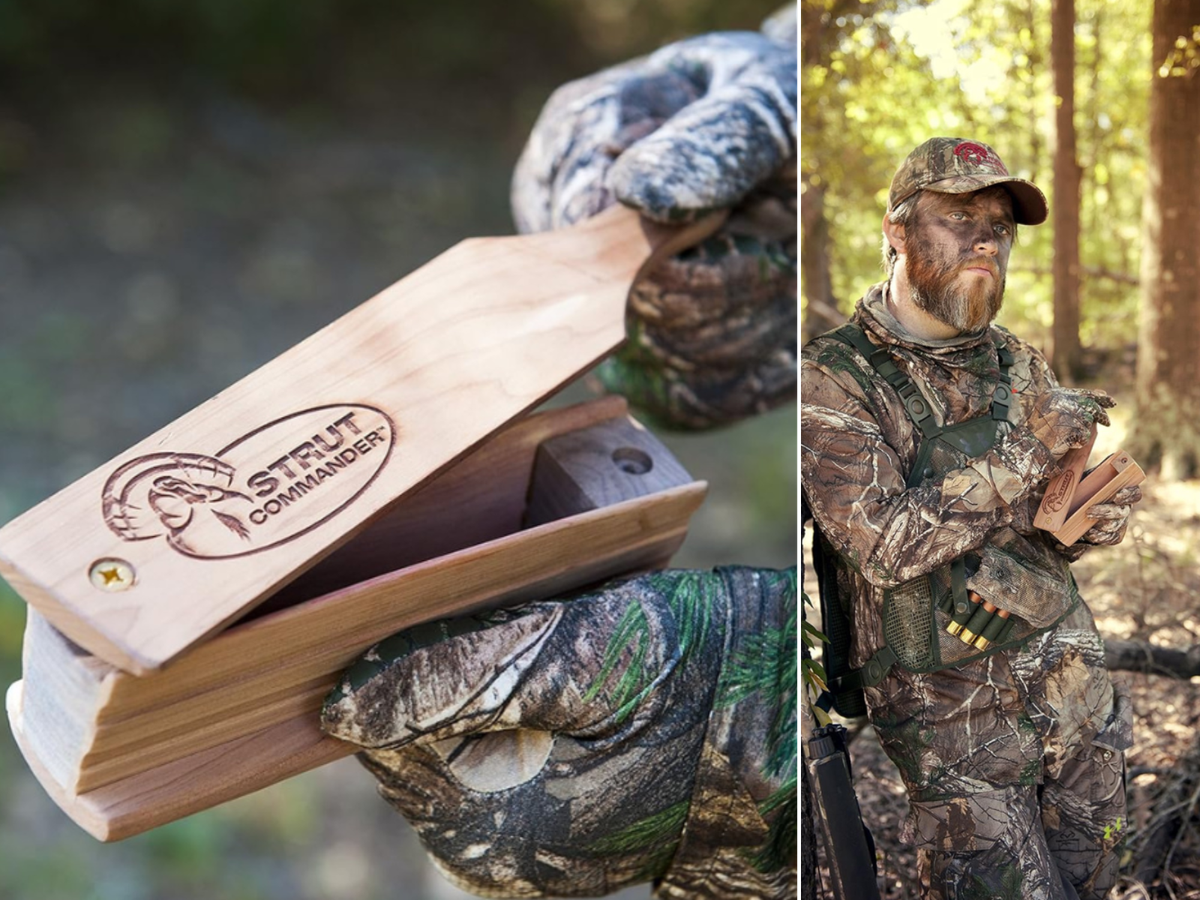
111	575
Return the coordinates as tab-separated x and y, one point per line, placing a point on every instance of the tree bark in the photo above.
821	312
1168	364
1065	354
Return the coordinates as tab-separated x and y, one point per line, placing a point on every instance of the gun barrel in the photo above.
850	849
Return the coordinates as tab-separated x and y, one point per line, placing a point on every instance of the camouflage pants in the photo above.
1014	766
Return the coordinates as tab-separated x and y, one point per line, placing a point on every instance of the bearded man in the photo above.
927	438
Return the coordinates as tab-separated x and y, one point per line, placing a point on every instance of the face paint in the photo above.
957	249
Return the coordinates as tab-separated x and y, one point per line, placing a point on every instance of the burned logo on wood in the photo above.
1058	494
264	489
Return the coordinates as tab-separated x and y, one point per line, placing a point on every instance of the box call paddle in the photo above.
198	523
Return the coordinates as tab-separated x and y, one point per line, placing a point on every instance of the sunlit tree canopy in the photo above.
880	77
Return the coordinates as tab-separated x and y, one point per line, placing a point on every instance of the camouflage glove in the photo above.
704	124
643	732
1062	418
1112	518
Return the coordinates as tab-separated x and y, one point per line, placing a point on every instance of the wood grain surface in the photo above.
183	533
1113	473
122	753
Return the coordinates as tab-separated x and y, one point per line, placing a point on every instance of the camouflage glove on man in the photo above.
1063	418
644	732
701	125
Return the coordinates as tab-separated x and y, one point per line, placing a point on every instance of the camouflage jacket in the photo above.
858	446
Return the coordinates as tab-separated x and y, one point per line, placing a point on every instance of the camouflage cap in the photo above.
951	165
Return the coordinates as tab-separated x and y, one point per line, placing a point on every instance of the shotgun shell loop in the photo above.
992	630
962	615
979	620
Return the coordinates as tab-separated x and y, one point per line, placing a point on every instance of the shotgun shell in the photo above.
978	621
993	628
962	613
1006	630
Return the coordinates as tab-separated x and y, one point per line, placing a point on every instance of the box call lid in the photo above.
189	529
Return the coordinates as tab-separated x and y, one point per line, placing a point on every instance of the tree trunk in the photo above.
821	28
821	313
1168	363
1065	355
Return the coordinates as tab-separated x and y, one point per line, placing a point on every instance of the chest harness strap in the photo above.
920	411
915	404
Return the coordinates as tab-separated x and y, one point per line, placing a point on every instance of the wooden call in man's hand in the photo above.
1112	518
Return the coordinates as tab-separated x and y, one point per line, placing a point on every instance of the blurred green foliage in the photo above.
12	624
474	66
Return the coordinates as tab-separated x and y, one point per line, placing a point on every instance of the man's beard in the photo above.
936	287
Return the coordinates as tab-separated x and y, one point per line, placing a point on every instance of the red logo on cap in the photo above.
978	155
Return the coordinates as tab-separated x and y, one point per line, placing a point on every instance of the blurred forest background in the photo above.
1093	101
881	77
1098	102
186	190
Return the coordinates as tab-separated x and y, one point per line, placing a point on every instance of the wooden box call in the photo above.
556	501
192	600
187	530
1069	495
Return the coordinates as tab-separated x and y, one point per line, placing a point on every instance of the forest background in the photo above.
1097	102
1094	102
187	190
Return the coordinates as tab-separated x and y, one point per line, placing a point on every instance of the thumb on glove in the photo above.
714	151
581	668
